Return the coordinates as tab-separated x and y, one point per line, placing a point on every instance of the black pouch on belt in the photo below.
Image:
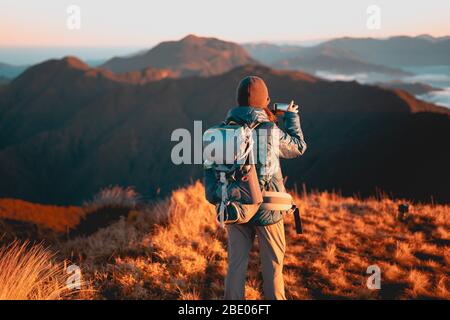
297	219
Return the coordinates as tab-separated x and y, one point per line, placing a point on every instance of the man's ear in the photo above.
268	101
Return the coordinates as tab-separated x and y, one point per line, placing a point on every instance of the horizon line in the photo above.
320	39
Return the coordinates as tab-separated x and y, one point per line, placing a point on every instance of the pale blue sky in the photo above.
145	23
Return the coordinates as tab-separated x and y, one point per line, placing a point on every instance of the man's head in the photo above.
252	92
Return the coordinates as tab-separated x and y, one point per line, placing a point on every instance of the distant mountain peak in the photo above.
68	62
192	38
190	56
74	62
195	39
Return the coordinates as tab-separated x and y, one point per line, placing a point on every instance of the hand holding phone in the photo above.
292	107
280	108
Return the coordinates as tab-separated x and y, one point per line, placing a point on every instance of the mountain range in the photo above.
67	130
195	55
335	60
356	55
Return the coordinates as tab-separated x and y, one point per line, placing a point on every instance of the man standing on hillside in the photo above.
267	223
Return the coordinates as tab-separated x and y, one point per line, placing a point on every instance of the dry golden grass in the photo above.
175	250
28	273
58	218
343	236
162	253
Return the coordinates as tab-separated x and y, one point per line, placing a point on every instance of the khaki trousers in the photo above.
272	248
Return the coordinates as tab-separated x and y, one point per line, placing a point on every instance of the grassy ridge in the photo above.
175	250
